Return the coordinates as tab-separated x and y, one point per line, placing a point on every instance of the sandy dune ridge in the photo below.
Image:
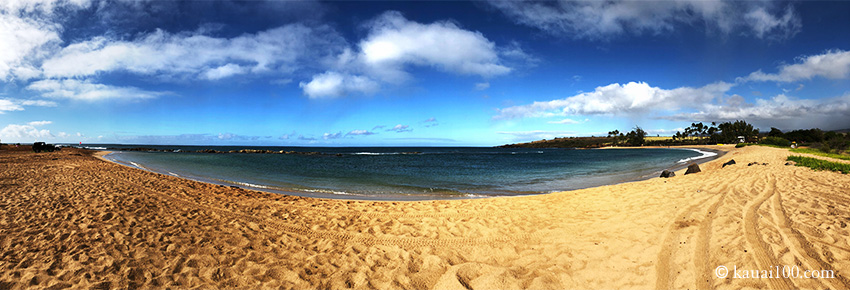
68	219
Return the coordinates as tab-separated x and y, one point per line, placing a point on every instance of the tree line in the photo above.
704	134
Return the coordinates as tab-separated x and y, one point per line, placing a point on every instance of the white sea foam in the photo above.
375	153
250	184
174	174
95	148
705	154
327	191
137	165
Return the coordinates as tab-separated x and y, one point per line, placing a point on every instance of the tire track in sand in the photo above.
663	269
340	236
702	260
760	251
800	246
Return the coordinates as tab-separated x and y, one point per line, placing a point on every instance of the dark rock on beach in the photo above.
731	162
693	168
667	174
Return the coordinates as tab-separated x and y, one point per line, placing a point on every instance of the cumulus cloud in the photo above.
334	84
482	86
224	71
780	109
21	40
360	133
833	64
400	128
619	99
29	32
395	43
87	91
195	54
605	19
25	133
328	136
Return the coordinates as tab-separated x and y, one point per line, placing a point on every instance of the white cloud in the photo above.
567	121
39	123
780	107
40	6
604	19
395	43
24	133
87	91
29	32
40	103
333	84
328	136
7	105
224	71
522	136
18	105
189	55
21	40
766	25
360	132
482	86
833	64
617	99
400	128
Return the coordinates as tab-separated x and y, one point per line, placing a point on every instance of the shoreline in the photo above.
70	220
719	152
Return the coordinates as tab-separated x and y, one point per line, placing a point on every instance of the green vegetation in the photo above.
565	142
819	164
738	132
778	141
821	153
636	137
741	145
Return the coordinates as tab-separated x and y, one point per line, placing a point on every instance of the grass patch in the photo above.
821	153
818	164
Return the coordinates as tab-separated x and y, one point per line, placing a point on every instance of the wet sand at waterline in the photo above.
68	219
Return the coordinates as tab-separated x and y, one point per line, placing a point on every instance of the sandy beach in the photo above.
69	219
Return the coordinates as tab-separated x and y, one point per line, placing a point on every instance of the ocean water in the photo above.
410	173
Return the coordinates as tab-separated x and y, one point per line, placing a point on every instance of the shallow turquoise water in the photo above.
398	173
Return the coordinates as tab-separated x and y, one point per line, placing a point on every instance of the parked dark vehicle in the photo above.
41	146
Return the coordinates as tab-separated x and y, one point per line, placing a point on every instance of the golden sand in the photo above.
68	219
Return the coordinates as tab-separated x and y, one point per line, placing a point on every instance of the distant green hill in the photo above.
566	142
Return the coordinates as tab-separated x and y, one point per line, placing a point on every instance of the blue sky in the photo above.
398	73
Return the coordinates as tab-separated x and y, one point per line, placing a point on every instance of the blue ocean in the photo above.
408	173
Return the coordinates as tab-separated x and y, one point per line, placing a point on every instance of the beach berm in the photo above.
69	219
